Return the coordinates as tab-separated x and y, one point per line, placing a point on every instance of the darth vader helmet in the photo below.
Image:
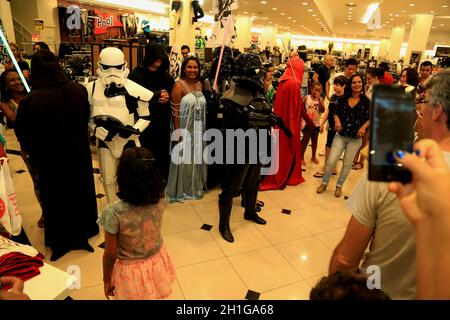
249	71
226	66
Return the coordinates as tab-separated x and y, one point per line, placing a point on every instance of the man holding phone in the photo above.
377	217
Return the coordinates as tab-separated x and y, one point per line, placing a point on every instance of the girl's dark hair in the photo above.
183	67
348	87
5	94
42	45
316	84
376	72
412	76
139	180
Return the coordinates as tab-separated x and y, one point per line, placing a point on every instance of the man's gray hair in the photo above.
438	87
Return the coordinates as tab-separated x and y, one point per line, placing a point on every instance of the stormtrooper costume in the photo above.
119	113
244	106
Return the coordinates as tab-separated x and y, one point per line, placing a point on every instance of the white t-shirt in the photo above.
393	245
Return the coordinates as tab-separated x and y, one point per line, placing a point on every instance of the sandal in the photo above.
259	203
316	161
357	166
318	174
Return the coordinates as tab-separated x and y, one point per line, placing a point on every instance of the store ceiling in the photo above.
330	17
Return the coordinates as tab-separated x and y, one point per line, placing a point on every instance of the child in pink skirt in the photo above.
136	263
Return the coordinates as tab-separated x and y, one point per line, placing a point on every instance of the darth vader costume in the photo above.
244	107
213	96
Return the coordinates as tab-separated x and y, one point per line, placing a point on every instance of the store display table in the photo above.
51	284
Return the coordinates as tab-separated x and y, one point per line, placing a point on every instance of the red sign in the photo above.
105	21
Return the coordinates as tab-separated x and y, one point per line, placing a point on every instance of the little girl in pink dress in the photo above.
136	263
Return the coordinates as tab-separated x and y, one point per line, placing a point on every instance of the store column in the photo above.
418	37
396	43
6	18
48	11
269	37
182	31
244	32
384	49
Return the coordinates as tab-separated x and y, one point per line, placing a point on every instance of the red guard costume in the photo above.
289	106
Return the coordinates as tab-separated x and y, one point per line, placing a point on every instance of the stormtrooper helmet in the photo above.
112	67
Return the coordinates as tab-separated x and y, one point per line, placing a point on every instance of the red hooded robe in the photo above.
289	106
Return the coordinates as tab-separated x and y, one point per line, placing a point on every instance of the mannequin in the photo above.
198	11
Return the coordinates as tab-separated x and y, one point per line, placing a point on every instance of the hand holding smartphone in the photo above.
393	113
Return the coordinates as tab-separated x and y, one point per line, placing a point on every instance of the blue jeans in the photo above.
341	143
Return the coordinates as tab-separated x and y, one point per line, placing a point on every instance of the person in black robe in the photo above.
154	75
52	126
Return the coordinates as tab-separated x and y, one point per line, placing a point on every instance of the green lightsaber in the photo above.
13	59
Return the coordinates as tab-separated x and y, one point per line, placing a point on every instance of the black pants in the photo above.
240	177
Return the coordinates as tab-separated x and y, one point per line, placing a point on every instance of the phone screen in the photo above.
393	116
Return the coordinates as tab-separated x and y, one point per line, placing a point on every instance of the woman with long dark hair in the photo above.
187	174
351	122
154	75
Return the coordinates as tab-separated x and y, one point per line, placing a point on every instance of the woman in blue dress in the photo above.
187	174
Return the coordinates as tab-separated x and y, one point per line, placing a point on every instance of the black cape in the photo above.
52	126
156	137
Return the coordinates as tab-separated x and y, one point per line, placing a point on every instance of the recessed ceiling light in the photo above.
294	20
397	15
442	25
351	4
403	11
263	2
245	12
411	4
391	14
444	6
432	11
310	10
274	9
433	27
282	13
314	15
392	19
408	23
345	22
289	18
305	3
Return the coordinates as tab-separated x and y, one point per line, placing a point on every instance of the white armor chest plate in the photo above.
114	107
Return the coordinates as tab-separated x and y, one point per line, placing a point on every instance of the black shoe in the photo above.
255	218
226	233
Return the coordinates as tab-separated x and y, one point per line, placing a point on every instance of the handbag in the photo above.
10	217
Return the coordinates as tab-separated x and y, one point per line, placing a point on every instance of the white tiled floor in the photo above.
280	260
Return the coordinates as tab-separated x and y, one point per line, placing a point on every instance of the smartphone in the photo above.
393	113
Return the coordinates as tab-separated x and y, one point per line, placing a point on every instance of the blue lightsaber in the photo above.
13	59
